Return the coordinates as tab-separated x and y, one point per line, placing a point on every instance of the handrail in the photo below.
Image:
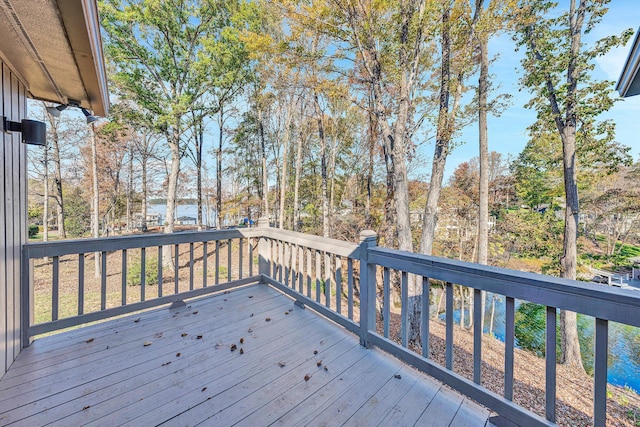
604	302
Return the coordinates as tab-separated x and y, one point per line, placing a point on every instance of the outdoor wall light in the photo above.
90	117
55	111
33	132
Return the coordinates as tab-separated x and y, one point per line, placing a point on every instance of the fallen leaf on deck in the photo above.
322	342
86	407
319	363
177	354
250	296
195	312
250	330
166	363
89	340
203	389
268	319
241	351
241	340
219	345
233	347
147	343
199	337
397	376
286	312
251	315
137	320
325	368
315	351
282	364
184	334
158	335
307	377
225	299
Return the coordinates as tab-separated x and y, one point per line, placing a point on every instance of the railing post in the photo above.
26	294
367	286
264	255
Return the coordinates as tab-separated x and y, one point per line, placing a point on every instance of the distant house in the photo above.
49	50
629	81
186	220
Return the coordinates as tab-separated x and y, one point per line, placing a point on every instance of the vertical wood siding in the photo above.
13	227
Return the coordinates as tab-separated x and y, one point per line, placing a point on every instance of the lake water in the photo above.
208	215
624	343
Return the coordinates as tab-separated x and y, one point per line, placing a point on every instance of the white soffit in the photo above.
56	50
629	81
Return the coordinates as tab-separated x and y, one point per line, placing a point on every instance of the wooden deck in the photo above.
176	367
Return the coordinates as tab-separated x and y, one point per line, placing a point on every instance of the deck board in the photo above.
104	375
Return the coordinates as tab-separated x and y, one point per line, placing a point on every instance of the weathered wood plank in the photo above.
470	414
120	392
52	350
441	409
407	411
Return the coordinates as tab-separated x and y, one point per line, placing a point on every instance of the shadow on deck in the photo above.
246	357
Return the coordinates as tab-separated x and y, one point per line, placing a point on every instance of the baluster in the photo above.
55	290
318	274
251	243
600	373
217	279
80	284
240	248
143	272
386	298
191	266
405	309
124	278
205	256
350	288
327	280
159	271
103	281
449	327
309	272
550	356
176	271
301	270
338	284
509	343
229	260
426	293
280	259
477	335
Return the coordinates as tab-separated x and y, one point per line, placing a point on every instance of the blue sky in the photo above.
507	133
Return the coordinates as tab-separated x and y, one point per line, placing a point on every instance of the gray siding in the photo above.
13	182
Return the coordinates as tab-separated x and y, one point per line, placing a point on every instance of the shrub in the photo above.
134	272
33	230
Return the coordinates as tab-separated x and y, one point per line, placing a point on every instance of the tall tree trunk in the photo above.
323	166
95	219
199	131
130	190
45	198
283	178
483	211
219	171
57	178
443	135
296	184
265	178
144	161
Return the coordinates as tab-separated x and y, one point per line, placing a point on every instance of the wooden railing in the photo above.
103	289
344	282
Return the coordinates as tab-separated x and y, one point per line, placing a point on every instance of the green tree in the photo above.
159	55
557	70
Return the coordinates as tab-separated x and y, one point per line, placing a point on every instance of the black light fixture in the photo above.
90	117
33	132
55	111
